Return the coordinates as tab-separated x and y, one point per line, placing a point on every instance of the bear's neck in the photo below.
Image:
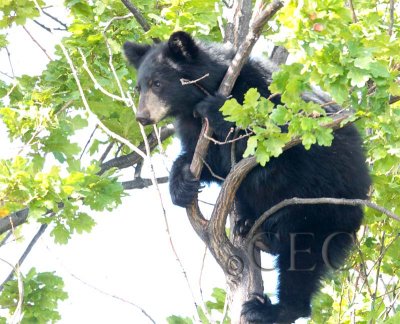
188	129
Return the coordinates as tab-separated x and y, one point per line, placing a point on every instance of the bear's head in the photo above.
160	67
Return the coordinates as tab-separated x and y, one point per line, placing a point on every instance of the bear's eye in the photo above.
157	83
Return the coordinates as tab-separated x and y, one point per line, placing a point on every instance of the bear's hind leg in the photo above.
299	278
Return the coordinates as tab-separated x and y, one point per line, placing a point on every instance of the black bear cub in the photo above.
308	240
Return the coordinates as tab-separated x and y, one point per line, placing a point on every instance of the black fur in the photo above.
338	171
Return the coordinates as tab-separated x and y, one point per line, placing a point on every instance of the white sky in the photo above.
128	253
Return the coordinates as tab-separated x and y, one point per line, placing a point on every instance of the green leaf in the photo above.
251	97
3	41
251	146
308	139
179	320
280	115
78	122
358	77
324	136
363	62
61	234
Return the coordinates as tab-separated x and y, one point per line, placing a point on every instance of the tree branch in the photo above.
393	99
15	219
25	254
10	63
316	201
140	183
55	19
130	159
43	26
139	17
37	43
391	17
279	55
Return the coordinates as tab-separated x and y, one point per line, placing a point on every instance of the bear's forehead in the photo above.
156	62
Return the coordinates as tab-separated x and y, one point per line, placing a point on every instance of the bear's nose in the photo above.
143	117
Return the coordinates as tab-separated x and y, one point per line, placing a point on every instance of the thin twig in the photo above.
103	292
37	43
55	19
200	285
382	254
5	238
391	15
186	81
127	100
211	171
43	26
108	149
7	75
88	141
227	141
225	309
353	12
233	147
206	202
119	148
363	271
156	187
114	19
378	270
10	63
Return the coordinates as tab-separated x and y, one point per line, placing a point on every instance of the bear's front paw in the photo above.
209	106
184	187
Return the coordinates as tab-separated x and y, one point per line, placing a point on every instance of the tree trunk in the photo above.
243	284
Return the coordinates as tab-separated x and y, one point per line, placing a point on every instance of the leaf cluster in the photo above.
41	294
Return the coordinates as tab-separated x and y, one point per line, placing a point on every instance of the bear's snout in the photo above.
143	117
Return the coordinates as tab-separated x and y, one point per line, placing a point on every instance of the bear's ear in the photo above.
182	46
135	52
